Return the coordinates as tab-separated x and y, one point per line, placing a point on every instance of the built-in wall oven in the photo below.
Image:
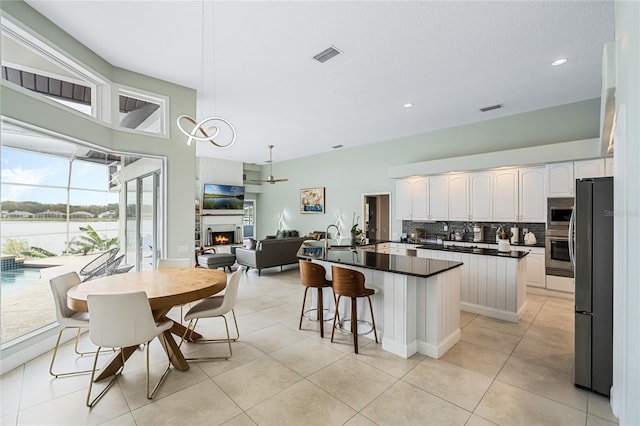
558	261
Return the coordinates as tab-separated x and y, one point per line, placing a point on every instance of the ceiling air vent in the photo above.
337	146
490	108
327	54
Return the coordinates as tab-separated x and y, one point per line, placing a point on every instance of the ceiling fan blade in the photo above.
270	178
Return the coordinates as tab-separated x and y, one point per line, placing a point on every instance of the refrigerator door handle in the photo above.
572	252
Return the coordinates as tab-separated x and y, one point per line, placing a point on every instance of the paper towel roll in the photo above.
515	235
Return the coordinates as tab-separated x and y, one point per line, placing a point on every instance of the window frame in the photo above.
162	101
84	76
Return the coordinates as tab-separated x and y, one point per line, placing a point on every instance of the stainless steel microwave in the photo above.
559	212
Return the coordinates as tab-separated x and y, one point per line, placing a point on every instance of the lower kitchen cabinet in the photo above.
492	286
565	284
403	249
383	248
536	273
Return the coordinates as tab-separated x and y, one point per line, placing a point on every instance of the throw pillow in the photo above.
280	234
249	243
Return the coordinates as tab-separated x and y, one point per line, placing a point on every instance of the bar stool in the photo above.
313	275
350	283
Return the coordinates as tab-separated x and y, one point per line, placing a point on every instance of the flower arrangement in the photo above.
502	234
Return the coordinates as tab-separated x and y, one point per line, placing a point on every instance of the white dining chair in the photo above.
120	321
67	318
216	306
176	263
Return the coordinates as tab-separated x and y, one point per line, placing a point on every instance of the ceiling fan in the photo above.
270	178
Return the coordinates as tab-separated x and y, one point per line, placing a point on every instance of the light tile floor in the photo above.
499	373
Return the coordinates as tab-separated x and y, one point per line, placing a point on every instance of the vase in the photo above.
504	246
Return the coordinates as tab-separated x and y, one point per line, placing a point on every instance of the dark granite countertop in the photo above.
405	265
514	254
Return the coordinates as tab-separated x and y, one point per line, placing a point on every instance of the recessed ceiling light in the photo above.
560	61
408	105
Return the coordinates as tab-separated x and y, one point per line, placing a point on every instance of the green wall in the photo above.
349	173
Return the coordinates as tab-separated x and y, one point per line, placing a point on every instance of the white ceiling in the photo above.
448	58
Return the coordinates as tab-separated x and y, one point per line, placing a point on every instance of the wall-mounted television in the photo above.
223	198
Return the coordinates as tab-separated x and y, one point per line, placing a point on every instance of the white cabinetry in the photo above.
412	202
480	196
458	197
439	197
561	176
383	248
560	284
403	249
536	273
533	200
588	168
608	166
403	199
505	195
560	179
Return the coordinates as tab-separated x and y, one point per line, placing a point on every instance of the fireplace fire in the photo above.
221	238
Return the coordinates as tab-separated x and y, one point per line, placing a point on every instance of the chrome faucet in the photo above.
326	236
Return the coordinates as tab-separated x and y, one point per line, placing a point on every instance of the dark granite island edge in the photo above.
404	265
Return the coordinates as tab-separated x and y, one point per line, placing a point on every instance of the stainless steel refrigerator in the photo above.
592	257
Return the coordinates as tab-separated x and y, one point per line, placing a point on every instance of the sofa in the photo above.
268	253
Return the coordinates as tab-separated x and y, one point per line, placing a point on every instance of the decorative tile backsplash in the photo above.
490	228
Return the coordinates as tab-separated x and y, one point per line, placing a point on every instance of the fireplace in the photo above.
219	238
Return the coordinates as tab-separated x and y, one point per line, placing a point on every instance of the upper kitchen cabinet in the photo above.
404	199
459	197
588	168
412	201
532	197
480	196
439	197
560	179
608	166
505	195
561	176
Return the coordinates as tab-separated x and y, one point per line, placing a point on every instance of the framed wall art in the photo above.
312	200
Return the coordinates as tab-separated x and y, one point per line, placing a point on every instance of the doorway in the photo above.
249	219
377	222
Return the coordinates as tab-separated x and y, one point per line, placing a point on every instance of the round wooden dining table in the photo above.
165	288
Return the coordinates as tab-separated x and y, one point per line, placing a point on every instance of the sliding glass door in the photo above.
141	233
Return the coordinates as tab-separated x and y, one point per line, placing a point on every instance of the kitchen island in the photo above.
492	282
417	306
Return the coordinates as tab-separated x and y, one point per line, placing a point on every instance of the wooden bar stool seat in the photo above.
313	275
350	283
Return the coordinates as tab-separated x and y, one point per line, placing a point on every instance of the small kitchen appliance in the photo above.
478	234
530	239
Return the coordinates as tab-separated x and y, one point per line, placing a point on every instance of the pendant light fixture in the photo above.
208	129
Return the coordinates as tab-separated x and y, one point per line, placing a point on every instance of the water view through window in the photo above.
58	210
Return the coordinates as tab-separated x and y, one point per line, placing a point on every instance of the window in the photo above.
141	112
31	64
52	191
